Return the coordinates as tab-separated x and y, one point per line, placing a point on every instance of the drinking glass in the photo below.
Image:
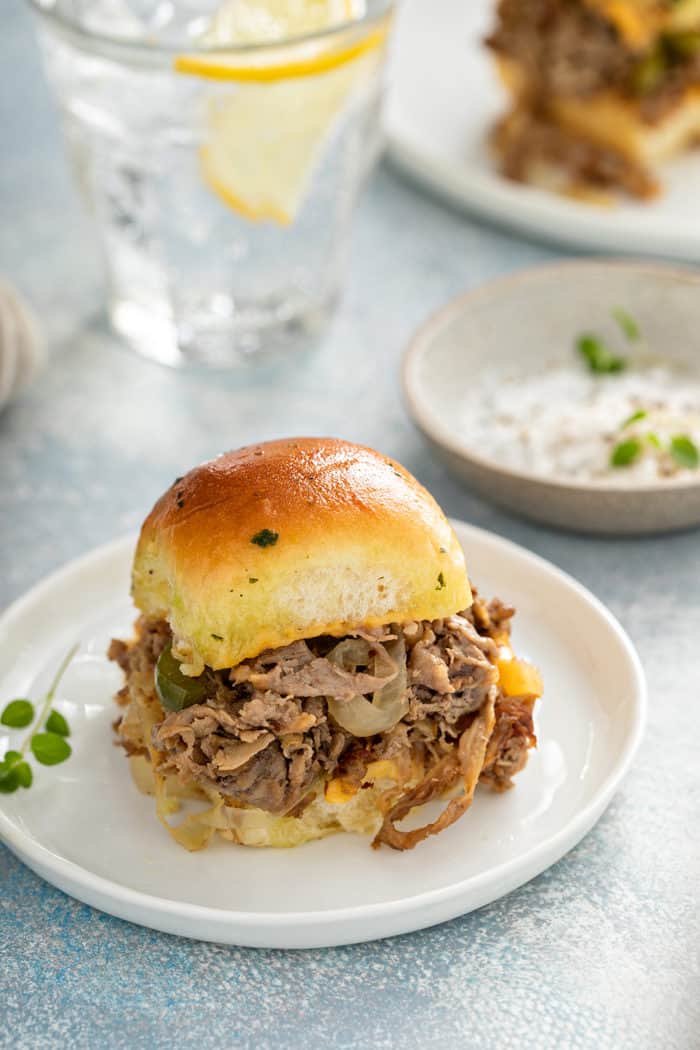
222	179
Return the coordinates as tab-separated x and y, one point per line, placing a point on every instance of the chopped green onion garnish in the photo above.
634	418
627	323
625	453
598	356
685	451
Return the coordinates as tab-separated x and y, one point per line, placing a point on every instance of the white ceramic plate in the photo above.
84	827
444	97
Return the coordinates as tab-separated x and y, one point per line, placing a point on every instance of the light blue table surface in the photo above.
600	952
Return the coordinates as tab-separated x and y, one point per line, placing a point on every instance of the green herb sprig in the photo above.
48	745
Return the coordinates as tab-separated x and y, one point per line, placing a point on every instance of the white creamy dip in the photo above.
566	421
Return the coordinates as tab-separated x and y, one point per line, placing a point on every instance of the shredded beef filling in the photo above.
527	138
264	736
567	49
563	46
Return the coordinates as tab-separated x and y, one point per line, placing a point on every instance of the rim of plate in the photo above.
534	212
498	287
554	844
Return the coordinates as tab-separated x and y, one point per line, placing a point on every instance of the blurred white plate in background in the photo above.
443	98
84	827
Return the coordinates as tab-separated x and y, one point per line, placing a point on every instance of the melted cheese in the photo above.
517	677
639	22
338	791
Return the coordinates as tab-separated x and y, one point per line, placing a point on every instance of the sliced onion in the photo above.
350	654
195	831
363	717
237	753
142	774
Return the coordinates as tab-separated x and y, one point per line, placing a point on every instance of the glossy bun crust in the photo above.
291	539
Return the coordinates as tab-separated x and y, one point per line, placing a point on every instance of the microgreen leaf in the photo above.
685	451
10	776
625	453
627	323
56	723
17	714
24	774
634	418
9	779
654	440
50	748
599	357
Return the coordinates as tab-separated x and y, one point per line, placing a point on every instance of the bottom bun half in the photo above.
193	815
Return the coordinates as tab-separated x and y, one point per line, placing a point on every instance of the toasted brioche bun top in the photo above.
291	539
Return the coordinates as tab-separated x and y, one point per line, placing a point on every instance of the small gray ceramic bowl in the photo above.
534	316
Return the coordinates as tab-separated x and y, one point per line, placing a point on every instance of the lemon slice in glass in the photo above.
264	137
